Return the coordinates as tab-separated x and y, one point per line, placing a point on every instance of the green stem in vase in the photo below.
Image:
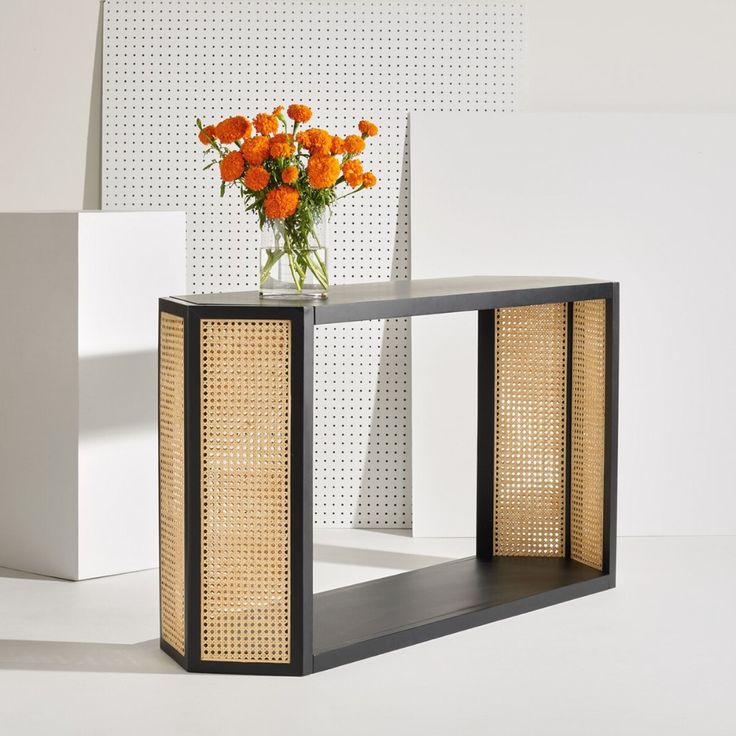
273	258
320	269
317	267
296	273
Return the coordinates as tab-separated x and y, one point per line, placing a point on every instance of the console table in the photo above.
235	426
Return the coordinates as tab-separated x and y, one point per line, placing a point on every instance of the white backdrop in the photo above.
80	499
647	200
168	61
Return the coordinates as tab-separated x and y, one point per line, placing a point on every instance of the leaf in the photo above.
222	189
209	165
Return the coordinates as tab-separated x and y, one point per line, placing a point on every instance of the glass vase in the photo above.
293	266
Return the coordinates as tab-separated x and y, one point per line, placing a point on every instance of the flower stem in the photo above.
296	274
319	269
273	258
355	191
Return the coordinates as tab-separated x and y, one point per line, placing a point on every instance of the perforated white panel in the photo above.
167	62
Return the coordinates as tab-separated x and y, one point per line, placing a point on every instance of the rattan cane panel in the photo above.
588	432
530	408
245	483
171	475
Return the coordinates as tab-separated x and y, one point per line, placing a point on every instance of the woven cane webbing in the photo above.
588	432
171	474
530	404
245	482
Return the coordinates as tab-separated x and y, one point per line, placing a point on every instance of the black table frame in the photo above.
567	579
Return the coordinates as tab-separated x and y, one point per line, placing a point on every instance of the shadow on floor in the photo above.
6	572
77	656
374	557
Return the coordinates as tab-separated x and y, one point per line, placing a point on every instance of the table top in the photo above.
386	299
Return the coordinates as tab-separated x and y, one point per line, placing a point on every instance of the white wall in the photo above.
582	55
50	97
630	56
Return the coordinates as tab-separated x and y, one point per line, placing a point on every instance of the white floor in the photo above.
655	656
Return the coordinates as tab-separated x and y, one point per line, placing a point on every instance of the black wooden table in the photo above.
235	417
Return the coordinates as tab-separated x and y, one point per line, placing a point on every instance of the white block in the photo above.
78	406
643	199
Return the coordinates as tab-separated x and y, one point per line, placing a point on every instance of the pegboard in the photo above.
167	62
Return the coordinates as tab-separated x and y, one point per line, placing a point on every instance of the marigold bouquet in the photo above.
289	177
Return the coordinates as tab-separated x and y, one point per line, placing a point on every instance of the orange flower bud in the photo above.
257	178
323	171
232	166
231	129
299	113
290	174
207	135
265	123
352	170
255	150
367	128
281	202
354	144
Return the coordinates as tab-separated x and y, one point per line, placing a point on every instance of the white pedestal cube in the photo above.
78	391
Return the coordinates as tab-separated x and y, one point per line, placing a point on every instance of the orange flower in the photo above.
302	138
265	123
232	166
369	179
230	129
323	171
257	178
300	113
290	174
255	150
281	146
281	202
353	172
338	145
316	141
277	111
354	144
367	128
207	135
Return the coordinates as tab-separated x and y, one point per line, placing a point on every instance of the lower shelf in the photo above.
371	618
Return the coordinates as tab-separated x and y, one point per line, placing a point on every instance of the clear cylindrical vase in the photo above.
294	264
